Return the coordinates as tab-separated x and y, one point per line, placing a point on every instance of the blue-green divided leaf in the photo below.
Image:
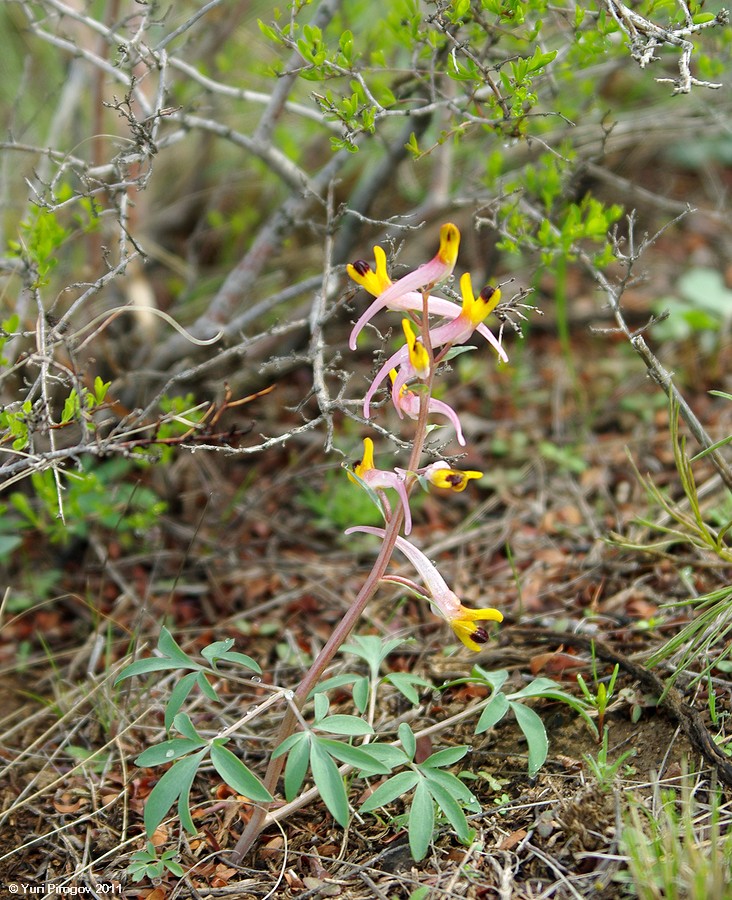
493	713
178	697
535	734
168	646
289	742
451	783
495	680
452	810
237	775
321	704
457	351
421	821
358	757
361	689
447	757
336	681
537	688
578	705
406	683
372	649
167	752
218	652
184	806
394	787
174	784
409	742
350	725
206	687
389	755
173	658
215	650
144	666
329	783
183	725
298	759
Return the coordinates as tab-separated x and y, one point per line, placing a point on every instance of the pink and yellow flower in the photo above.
457	331
378	480
442	475
375	282
419	359
473	312
394	295
406	403
465	622
399	295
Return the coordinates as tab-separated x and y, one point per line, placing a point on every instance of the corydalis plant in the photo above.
425	348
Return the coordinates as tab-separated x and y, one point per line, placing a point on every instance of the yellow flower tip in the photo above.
489	299
452	479
466	627
381	274
475	309
418	356
362	273
367	462
393	374
466	289
359	270
449	244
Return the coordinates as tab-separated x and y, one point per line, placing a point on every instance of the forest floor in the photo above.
252	549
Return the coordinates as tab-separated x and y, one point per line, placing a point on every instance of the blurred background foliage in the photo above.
219	164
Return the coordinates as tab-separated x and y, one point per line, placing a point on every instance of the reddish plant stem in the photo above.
341	631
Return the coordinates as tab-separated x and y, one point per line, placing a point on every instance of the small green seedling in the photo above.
147	864
599	698
604	771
